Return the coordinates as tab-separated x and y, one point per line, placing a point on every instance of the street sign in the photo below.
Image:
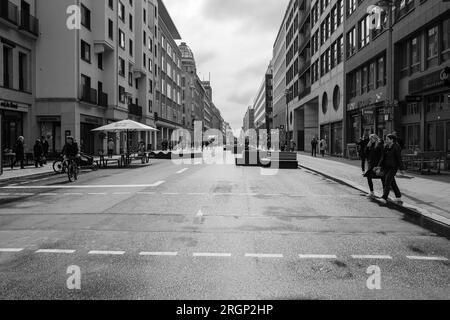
413	99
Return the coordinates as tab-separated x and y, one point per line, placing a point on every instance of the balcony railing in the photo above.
29	23
9	11
89	95
102	99
135	110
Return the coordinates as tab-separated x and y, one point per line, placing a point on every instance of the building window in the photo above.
446	40
364	31
351	43
85	17
364	79
85	51
324	103
100	61
121	94
381	72
415	55
121	39
351	6
23	72
121	11
110	29
432	47
122	67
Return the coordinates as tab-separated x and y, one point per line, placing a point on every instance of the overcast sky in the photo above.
232	40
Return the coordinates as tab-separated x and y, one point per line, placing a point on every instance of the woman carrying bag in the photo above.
373	154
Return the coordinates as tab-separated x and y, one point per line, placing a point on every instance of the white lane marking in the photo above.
146	193
375	257
273	195
24	194
112	253
4	194
159	254
73	194
317	256
260	255
55	251
11	249
97	194
171	194
48	194
182	171
197	194
427	258
132	186
121	193
216	255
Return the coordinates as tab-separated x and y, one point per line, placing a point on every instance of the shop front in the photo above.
50	128
91	142
13	116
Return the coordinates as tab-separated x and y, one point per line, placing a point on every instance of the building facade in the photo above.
263	102
279	79
19	31
249	120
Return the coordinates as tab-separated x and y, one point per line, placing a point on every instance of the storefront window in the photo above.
12	128
415	55
446	40
432	47
336	136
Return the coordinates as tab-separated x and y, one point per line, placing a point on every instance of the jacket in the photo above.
19	149
374	154
38	150
71	150
362	147
392	158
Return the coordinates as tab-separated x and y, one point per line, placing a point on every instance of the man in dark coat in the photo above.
391	163
45	148
374	154
19	150
362	150
38	153
314	144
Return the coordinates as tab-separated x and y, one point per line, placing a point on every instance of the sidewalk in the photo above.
9	174
429	195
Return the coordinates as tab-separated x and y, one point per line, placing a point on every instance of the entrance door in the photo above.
87	142
301	140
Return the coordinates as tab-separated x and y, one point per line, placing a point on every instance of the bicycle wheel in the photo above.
58	166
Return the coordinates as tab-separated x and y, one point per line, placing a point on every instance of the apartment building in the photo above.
249	120
263	102
189	103
97	74
327	73
279	79
421	39
19	31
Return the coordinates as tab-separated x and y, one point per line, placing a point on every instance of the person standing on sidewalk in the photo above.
390	164
314	144
45	148
19	150
323	147
362	150
111	148
38	154
373	154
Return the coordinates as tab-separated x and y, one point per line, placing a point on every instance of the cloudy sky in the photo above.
232	40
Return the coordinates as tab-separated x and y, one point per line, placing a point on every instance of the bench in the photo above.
103	161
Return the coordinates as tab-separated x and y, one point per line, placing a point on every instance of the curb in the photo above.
414	214
34	175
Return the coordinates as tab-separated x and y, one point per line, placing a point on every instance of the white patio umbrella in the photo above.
126	126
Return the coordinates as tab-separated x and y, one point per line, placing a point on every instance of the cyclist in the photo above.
71	150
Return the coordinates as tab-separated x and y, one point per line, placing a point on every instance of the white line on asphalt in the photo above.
317	256
217	255
97	194
273	195
73	194
48	194
55	251
11	249
159	254
182	171
4	194
197	194
258	255
146	193
170	194
121	193
87	186
375	257
427	258
23	194
113	253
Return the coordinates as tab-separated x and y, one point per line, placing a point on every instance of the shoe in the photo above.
371	195
383	201
398	201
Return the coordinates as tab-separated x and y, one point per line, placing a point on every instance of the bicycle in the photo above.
60	166
72	169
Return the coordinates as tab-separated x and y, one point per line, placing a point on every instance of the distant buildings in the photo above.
263	102
249	120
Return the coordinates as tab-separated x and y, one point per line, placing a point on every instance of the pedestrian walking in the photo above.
399	141
19	151
390	164
323	147
45	148
38	151
363	142
374	154
111	148
314	144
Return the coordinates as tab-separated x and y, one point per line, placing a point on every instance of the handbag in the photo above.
379	172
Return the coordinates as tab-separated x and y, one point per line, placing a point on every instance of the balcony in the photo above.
102	99
89	95
135	110
9	12
29	23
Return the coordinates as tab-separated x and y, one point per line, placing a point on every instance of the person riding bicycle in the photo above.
71	150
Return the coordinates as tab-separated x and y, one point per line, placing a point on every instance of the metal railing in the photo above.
9	11
29	23
102	99
135	110
89	95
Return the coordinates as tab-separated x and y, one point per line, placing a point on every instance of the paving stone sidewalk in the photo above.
431	193
29	171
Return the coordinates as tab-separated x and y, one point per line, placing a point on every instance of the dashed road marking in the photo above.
427	258
317	256
12	250
182	171
48	194
97	194
374	257
159	254
4	194
56	251
121	193
262	255
73	194
212	255
106	253
171	194
131	186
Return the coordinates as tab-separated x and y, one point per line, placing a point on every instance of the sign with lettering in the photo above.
434	80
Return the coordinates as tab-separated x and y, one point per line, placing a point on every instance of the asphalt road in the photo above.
169	231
